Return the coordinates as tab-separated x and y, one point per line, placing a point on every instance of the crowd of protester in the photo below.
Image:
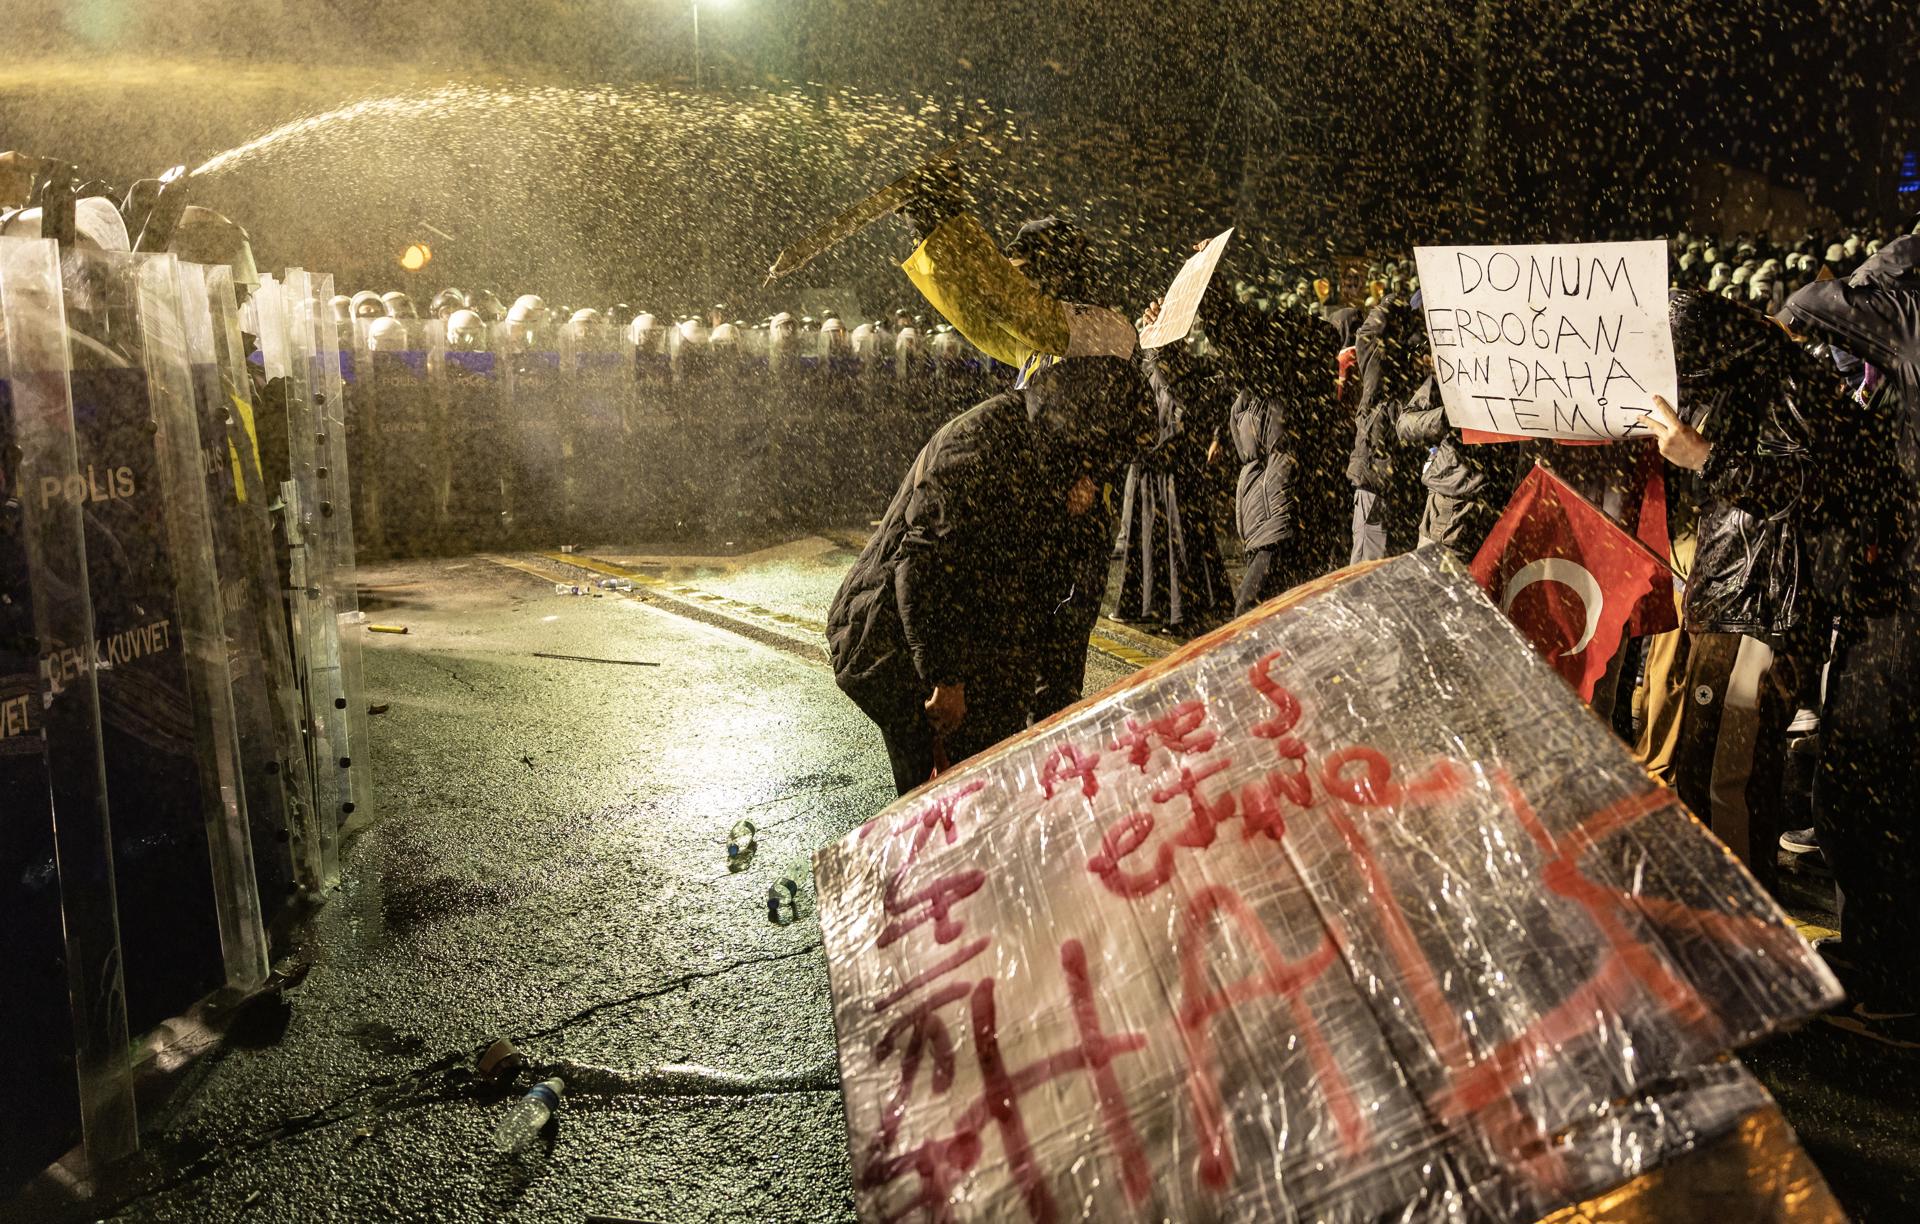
1780	708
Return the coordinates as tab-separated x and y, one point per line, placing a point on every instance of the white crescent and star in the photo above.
1570	574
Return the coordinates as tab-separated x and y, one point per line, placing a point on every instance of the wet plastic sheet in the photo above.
1349	911
59	913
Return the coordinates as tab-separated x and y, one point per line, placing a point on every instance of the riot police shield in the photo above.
273	765
395	443
467	385
598	454
287	367
312	322
535	436
60	943
166	697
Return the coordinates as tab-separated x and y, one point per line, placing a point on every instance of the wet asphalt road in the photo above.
548	862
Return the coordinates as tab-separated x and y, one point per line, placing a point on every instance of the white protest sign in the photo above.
1182	302
1553	341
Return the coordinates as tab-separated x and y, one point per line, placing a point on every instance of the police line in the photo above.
532	437
182	725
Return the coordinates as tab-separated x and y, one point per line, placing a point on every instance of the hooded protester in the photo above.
1869	773
1170	564
1385	475
966	616
1768	417
1290	500
1343	319
947	630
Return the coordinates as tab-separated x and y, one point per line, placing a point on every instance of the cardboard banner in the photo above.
1181	305
1348	911
1564	341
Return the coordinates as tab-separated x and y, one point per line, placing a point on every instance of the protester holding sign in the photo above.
1767	413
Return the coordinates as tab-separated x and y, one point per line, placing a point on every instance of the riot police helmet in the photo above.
486	304
387	335
466	331
205	237
399	305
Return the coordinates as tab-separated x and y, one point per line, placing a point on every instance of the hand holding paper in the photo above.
1182	302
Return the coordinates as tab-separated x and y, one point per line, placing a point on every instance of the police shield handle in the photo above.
858	217
1182	303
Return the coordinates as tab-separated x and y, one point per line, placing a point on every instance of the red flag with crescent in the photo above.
1571	579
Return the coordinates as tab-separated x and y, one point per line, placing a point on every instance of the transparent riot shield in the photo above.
312	321
273	766
536	435
287	370
182	842
598	454
466	381
60	947
395	442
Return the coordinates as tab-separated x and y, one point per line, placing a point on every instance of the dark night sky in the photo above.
1343	124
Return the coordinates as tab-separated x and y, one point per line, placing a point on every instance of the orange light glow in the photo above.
416	257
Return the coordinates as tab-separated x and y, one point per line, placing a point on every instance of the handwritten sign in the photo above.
1568	341
1321	923
1181	305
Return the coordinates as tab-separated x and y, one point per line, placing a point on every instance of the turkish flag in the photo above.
1572	579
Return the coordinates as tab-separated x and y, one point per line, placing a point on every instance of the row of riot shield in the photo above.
513	438
178	737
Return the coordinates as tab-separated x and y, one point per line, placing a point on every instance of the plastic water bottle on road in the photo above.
740	846
528	1115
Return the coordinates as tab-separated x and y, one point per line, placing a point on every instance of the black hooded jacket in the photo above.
977	574
1778	421
1874	314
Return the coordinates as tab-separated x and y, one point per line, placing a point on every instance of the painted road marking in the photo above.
1106	643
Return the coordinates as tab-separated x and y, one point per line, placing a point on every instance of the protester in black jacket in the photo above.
1779	430
1467	485
1389	359
1291	499
1869	771
1723	692
966	616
